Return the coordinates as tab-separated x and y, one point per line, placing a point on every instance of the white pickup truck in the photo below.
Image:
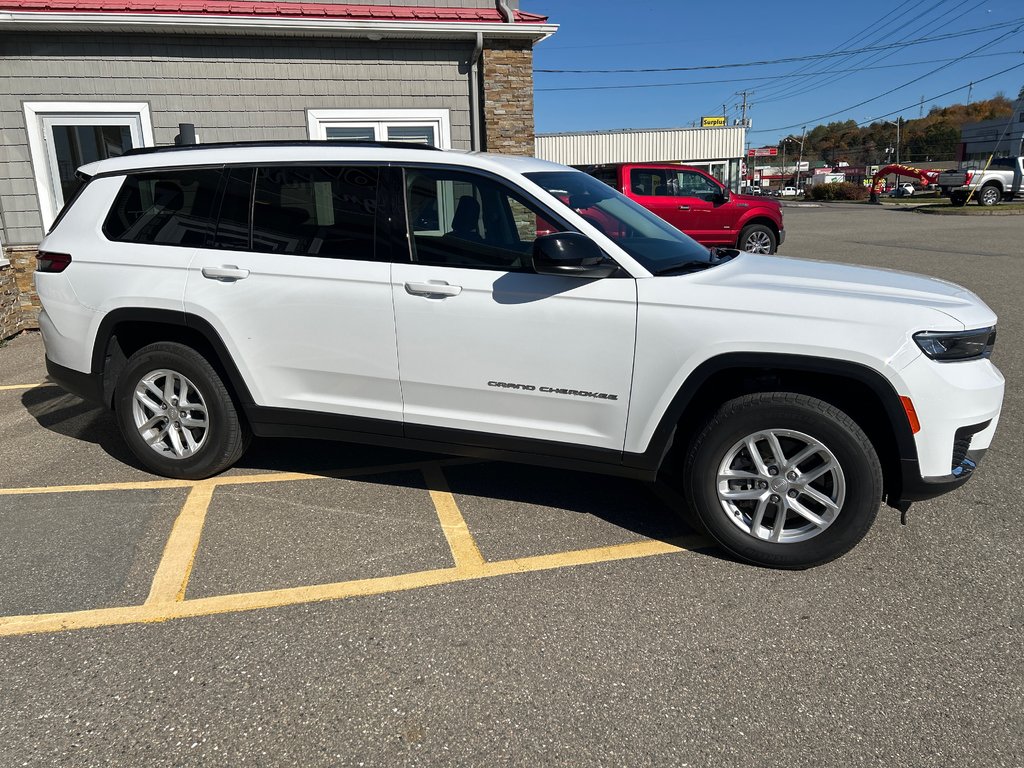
1001	181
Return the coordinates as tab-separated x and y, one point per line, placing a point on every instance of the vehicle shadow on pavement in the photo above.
70	416
491	492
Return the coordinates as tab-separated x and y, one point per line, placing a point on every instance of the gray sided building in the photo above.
1003	137
81	80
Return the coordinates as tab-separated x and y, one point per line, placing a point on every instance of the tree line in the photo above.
931	138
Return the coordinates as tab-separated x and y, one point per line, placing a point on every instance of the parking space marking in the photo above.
167	599
465	551
175	567
6	387
279	598
269	477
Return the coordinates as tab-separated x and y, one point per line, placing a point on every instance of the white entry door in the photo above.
66	136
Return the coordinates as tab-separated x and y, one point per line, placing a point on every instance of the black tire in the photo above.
989	195
757	238
219	444
860	479
958	200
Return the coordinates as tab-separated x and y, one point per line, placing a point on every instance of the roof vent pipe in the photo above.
505	11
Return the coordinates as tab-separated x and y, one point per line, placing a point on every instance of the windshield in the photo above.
653	242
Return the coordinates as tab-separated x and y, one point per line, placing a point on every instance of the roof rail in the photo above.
281	143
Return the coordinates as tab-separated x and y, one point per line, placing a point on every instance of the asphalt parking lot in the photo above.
330	604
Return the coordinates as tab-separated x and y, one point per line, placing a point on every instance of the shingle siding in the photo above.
231	88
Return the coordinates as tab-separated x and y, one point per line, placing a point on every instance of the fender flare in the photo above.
661	439
130	315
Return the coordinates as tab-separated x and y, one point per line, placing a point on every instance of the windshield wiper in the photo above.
717	256
685	266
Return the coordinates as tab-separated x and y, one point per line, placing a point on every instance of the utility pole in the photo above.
785	141
800	162
970	90
743	107
920	110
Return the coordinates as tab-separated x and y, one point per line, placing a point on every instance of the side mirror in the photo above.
723	196
570	254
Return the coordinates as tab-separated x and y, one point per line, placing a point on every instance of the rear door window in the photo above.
175	208
325	211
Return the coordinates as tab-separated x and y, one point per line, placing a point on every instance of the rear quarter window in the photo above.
165	208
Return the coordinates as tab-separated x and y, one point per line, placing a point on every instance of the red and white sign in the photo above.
763	152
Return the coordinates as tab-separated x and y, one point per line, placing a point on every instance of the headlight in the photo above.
948	346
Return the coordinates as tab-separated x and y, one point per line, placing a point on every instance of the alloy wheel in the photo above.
170	414
781	486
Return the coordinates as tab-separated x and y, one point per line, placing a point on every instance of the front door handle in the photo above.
228	273
438	288
684	207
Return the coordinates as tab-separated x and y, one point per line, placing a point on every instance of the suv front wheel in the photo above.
784	480
176	415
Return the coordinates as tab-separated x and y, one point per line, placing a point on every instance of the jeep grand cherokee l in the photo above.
402	296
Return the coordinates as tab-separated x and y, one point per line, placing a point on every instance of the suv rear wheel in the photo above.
176	415
757	238
784	480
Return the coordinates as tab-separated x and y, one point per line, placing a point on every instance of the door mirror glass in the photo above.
570	254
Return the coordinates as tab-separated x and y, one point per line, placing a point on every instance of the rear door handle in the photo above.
228	273
433	288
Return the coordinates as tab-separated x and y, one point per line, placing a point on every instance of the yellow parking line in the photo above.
6	387
137	485
464	549
154	612
175	567
269	477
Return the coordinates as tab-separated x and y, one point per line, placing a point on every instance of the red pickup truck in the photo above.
698	204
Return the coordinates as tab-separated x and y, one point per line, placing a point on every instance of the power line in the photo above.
1013	31
878	36
792	91
895	111
790	59
768	77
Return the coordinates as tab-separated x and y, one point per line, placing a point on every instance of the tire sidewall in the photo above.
852	450
750	229
220	414
989	193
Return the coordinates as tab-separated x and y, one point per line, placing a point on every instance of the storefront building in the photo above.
718	150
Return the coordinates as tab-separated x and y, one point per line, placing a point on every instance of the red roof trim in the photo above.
270	8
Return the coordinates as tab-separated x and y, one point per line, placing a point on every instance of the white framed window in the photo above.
417	126
63	135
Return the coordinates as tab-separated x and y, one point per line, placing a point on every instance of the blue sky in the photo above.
601	34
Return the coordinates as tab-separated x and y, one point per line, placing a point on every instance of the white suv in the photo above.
507	308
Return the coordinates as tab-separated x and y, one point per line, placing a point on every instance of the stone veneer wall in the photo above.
10	312
508	98
19	302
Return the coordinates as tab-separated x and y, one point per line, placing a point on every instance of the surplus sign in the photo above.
712	121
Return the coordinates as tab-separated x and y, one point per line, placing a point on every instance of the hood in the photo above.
844	282
796	305
763	200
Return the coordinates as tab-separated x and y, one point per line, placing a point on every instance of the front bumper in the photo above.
958	405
